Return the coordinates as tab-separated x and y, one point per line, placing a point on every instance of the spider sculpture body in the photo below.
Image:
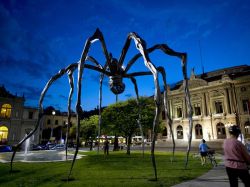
113	68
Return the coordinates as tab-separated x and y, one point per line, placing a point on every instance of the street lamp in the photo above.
53	114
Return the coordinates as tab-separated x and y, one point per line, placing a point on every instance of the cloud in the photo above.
29	91
65	98
24	50
128	95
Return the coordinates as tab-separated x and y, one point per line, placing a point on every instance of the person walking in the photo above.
106	146
236	158
203	148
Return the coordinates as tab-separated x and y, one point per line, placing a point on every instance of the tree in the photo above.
121	118
88	129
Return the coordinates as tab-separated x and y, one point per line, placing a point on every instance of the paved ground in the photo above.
216	177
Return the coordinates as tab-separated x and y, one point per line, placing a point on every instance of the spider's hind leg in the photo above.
166	108
141	46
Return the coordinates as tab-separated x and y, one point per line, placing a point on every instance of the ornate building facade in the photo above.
219	99
16	120
55	126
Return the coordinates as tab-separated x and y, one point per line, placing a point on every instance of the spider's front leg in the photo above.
166	107
139	116
183	56
141	46
49	83
71	83
96	36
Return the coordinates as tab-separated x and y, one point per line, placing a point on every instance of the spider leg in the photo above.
141	46
163	47
166	107
92	59
100	96
71	83
96	36
100	110
183	56
139	115
124	51
53	79
189	105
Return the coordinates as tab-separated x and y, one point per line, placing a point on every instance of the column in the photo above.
226	101
204	105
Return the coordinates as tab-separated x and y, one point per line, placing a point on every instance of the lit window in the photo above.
5	111
3	133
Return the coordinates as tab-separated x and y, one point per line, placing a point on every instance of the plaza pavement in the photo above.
215	177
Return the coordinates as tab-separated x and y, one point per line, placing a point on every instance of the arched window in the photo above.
221	131
3	134
179	131
165	131
198	131
5	111
247	127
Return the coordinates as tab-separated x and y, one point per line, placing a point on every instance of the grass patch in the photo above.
117	169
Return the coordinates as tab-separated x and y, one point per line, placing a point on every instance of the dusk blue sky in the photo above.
39	37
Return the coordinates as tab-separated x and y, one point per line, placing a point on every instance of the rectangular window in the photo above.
246	105
163	115
197	110
48	121
56	122
218	107
30	115
179	112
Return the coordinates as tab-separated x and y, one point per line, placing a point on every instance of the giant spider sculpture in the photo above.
115	70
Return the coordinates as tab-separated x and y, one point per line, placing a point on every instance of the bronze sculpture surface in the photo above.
114	69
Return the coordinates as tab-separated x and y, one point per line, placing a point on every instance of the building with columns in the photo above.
55	125
219	99
16	120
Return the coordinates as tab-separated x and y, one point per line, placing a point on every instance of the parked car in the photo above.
49	146
5	148
58	147
38	147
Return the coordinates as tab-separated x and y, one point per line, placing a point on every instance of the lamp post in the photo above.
229	124
61	139
53	114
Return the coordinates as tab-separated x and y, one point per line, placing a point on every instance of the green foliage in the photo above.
89	128
117	169
121	118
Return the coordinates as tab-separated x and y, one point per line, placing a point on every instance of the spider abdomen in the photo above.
116	85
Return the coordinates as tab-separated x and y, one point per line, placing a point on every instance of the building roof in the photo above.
233	72
6	94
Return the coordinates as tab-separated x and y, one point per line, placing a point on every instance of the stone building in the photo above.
16	120
55	125
219	99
